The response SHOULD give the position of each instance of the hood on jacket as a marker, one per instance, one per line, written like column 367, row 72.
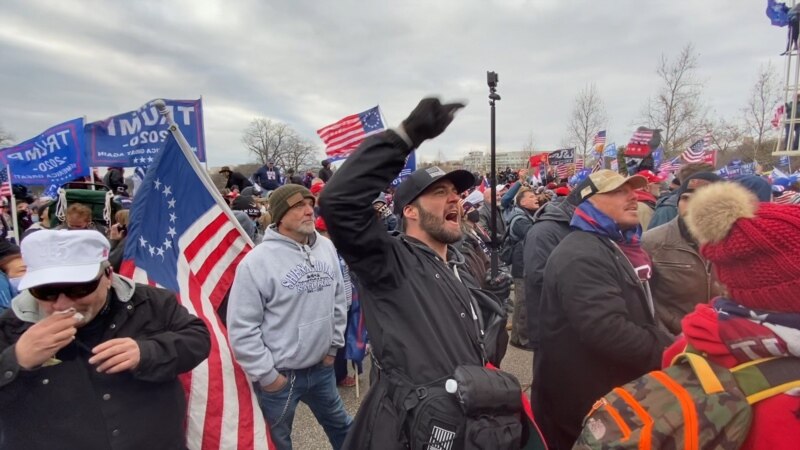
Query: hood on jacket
column 453, row 255
column 27, row 310
column 557, row 212
column 669, row 199
column 271, row 234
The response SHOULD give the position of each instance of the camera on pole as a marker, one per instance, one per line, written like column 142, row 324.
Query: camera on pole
column 491, row 80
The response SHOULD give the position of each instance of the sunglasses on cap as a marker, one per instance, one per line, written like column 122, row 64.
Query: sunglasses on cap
column 51, row 292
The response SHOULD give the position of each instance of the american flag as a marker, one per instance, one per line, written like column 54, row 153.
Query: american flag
column 565, row 170
column 181, row 238
column 670, row 165
column 343, row 137
column 598, row 164
column 600, row 138
column 578, row 164
column 5, row 186
column 642, row 136
column 787, row 198
column 695, row 153
column 615, row 165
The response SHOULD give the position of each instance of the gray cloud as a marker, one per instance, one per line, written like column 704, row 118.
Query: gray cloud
column 311, row 63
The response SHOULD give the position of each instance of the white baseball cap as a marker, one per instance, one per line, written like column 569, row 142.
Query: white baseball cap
column 63, row 256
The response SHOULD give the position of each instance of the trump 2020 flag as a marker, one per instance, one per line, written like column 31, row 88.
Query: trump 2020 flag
column 343, row 137
column 182, row 238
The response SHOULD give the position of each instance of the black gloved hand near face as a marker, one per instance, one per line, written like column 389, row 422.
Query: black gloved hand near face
column 429, row 119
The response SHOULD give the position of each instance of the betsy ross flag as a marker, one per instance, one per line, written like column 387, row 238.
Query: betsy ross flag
column 342, row 138
column 778, row 117
column 183, row 238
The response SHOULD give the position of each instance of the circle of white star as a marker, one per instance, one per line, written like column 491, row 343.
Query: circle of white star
column 169, row 198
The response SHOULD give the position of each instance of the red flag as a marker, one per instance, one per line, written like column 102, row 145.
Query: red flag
column 637, row 150
column 536, row 160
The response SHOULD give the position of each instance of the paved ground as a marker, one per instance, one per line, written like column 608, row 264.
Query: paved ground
column 308, row 435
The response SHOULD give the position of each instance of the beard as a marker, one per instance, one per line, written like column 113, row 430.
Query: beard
column 434, row 226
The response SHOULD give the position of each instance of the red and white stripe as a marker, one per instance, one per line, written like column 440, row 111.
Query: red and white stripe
column 5, row 189
column 223, row 412
column 642, row 136
column 344, row 136
column 787, row 198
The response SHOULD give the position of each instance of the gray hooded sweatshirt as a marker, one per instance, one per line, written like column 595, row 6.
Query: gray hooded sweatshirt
column 287, row 306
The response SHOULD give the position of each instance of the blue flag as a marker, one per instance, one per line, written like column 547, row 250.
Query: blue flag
column 610, row 151
column 53, row 157
column 658, row 156
column 778, row 13
column 411, row 166
column 134, row 138
column 784, row 161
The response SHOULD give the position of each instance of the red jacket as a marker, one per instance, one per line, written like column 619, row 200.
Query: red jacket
column 776, row 420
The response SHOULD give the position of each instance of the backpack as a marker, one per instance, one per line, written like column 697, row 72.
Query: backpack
column 509, row 241
column 693, row 404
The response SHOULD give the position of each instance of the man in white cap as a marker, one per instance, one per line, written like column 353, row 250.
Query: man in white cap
column 88, row 358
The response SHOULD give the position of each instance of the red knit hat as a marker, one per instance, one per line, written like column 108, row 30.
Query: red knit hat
column 753, row 246
column 317, row 188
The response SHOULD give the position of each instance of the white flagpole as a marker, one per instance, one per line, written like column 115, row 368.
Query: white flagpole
column 14, row 224
column 195, row 163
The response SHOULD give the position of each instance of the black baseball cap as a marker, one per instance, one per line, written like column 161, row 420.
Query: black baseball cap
column 420, row 180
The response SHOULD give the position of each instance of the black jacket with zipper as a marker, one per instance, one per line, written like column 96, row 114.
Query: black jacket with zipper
column 69, row 405
column 598, row 331
column 418, row 310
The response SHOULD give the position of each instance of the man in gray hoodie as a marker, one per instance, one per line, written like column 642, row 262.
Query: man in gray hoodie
column 286, row 319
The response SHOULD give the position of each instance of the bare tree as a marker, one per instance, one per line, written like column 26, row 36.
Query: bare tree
column 725, row 134
column 588, row 117
column 269, row 140
column 677, row 109
column 758, row 113
column 530, row 145
column 6, row 138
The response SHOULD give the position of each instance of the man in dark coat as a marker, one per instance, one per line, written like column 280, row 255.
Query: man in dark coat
column 235, row 179
column 325, row 173
column 417, row 296
column 90, row 359
column 598, row 326
column 550, row 227
column 268, row 177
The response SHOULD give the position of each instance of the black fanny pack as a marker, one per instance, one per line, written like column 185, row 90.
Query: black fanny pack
column 482, row 413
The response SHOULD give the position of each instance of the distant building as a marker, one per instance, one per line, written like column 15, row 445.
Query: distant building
column 478, row 161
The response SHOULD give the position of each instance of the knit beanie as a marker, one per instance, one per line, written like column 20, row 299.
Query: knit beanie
column 8, row 251
column 285, row 197
column 697, row 181
column 752, row 245
column 756, row 185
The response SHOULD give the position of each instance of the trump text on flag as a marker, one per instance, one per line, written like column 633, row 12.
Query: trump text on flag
column 134, row 138
column 53, row 157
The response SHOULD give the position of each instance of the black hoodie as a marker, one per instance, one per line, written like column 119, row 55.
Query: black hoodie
column 550, row 226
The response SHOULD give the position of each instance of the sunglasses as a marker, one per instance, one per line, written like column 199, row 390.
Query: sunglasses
column 51, row 292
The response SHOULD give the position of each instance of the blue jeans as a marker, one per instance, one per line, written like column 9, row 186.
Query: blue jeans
column 316, row 387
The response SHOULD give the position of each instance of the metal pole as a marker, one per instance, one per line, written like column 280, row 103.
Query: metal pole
column 14, row 223
column 492, row 80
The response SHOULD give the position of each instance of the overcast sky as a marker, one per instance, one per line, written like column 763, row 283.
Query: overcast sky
column 310, row 63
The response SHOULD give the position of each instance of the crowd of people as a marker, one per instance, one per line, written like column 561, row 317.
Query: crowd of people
column 634, row 293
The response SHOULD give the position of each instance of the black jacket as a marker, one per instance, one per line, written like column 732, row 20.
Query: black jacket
column 517, row 228
column 598, row 332
column 325, row 174
column 551, row 225
column 70, row 405
column 417, row 311
column 238, row 180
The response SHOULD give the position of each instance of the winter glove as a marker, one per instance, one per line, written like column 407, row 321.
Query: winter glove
column 429, row 119
column 500, row 285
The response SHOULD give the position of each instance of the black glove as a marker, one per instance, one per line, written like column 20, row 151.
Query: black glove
column 500, row 285
column 429, row 119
